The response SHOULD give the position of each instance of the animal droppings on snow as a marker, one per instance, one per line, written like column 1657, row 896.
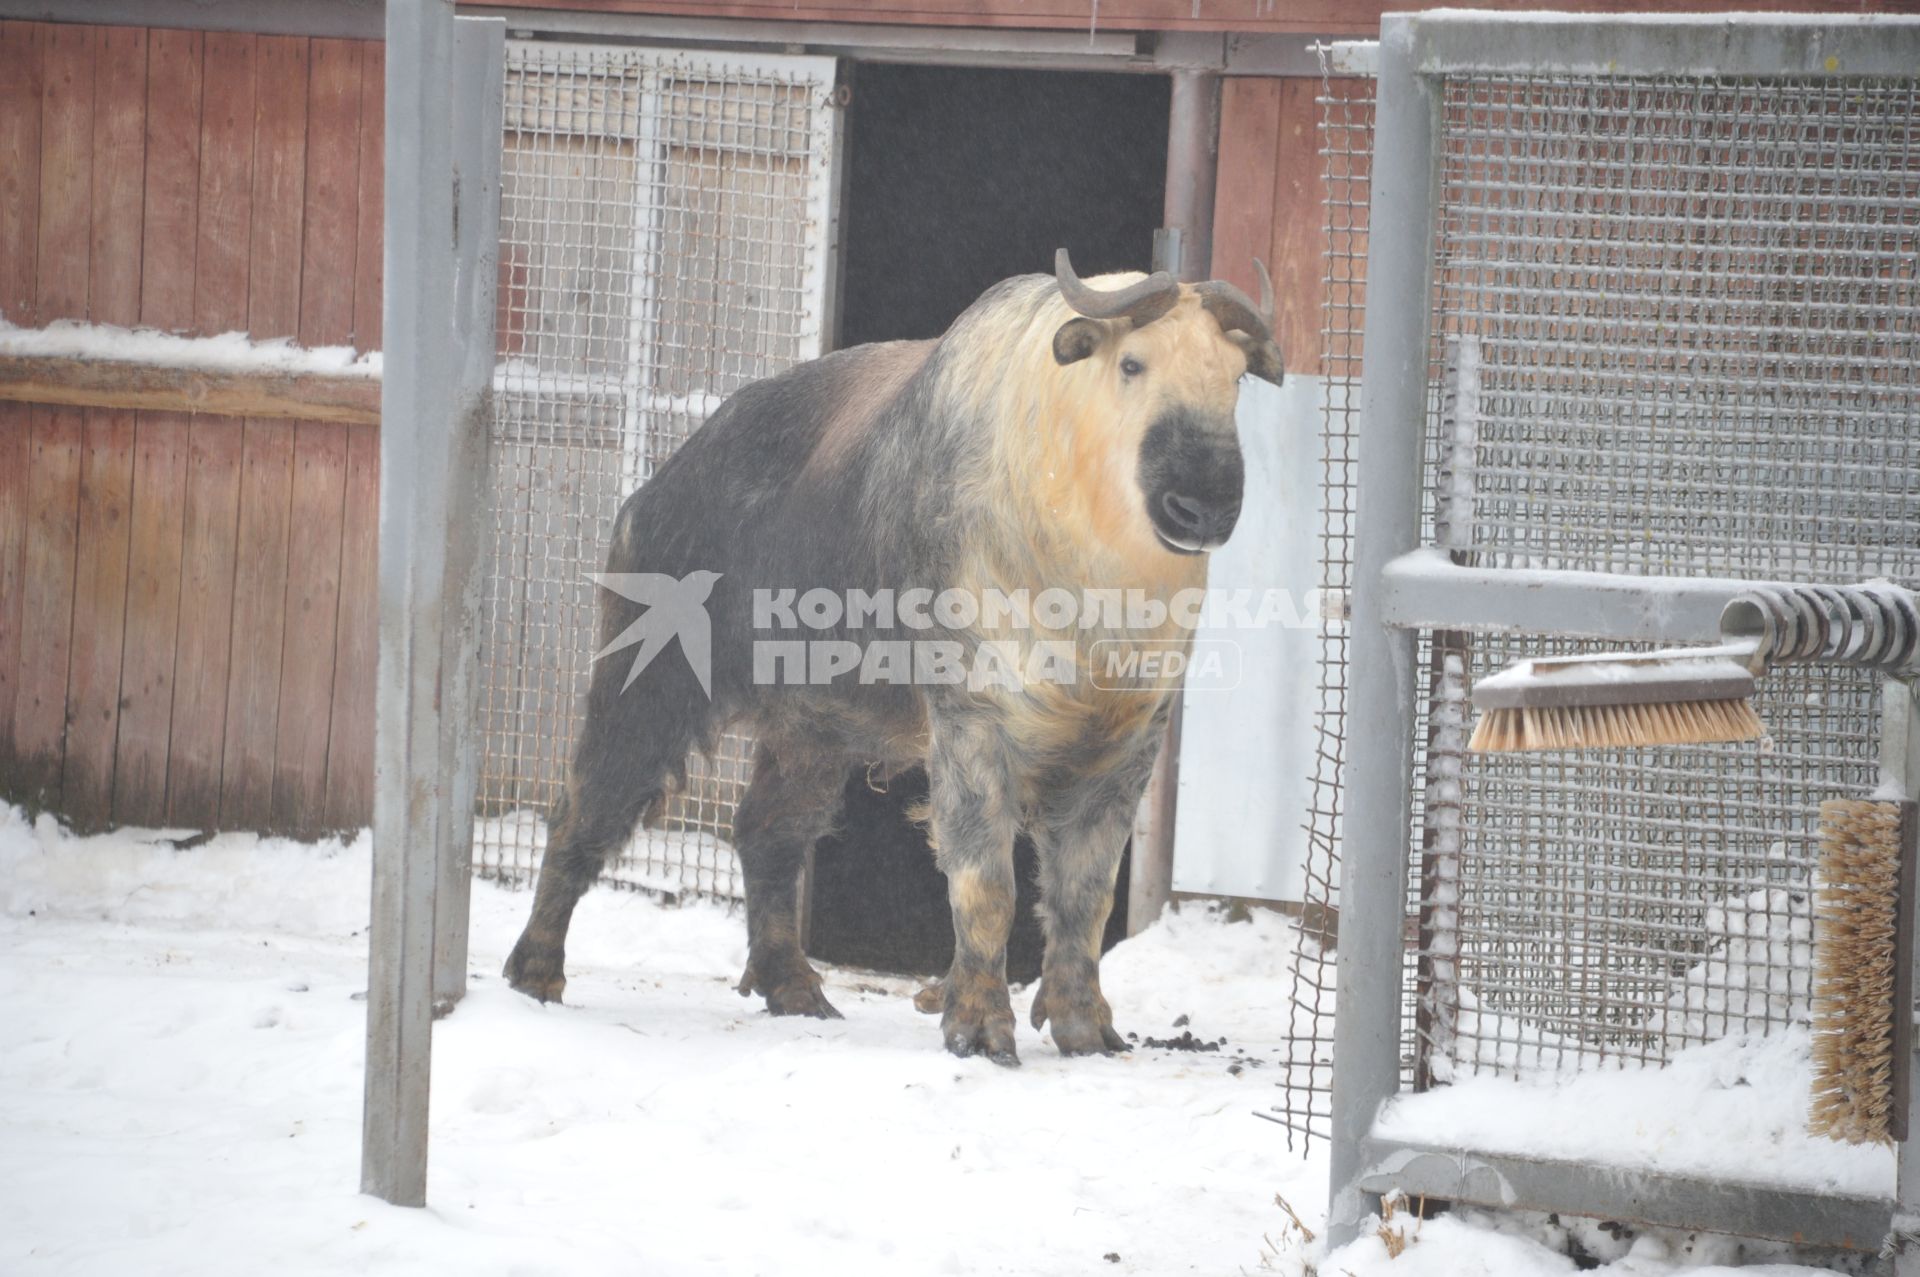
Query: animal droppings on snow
column 1185, row 1042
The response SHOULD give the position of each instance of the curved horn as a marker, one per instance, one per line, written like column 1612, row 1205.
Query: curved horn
column 1235, row 310
column 1143, row 302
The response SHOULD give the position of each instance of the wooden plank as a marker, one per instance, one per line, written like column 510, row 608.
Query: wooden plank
column 210, row 526
column 169, row 232
column 15, row 451
column 1243, row 191
column 66, row 173
column 153, row 614
column 279, row 186
column 119, row 174
column 320, row 448
column 1299, row 237
column 124, row 384
column 357, row 644
column 367, row 261
column 349, row 802
column 21, row 86
column 266, row 478
column 169, row 236
column 99, row 615
column 223, row 243
column 196, row 736
column 332, row 212
column 53, row 498
column 312, row 614
column 259, row 626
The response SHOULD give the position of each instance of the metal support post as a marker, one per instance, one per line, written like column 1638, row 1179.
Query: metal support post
column 1379, row 765
column 1193, row 158
column 433, row 418
column 1900, row 775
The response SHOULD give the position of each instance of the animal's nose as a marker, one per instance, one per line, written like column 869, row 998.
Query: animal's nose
column 1199, row 520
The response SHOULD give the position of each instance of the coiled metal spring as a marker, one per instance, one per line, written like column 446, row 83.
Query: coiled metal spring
column 1874, row 626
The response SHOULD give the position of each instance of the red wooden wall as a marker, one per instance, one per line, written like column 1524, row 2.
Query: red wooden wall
column 187, row 606
column 1268, row 204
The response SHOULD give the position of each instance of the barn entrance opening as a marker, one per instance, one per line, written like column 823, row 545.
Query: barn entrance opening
column 957, row 178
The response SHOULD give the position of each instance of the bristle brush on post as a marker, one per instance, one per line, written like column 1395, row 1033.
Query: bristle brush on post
column 1687, row 696
column 1862, row 978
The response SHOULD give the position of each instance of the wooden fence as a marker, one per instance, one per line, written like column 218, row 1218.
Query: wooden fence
column 187, row 601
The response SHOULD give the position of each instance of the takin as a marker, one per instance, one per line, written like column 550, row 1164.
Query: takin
column 1061, row 436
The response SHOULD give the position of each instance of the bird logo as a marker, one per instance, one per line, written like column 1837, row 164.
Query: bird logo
column 676, row 609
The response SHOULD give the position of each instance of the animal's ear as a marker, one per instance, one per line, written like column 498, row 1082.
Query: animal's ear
column 1263, row 357
column 1076, row 339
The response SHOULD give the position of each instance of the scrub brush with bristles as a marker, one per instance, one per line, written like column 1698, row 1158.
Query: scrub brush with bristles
column 1862, row 977
column 1685, row 696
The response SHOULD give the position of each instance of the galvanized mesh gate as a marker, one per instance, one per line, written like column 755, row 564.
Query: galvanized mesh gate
column 666, row 226
column 1644, row 327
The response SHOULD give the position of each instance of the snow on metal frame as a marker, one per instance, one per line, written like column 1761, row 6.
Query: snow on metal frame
column 665, row 240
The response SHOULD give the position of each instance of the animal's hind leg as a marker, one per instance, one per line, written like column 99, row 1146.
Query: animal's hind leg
column 618, row 770
column 795, row 798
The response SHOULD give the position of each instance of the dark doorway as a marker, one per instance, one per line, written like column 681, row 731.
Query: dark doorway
column 957, row 179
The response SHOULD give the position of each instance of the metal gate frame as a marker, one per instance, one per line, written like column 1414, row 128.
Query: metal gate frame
column 1403, row 586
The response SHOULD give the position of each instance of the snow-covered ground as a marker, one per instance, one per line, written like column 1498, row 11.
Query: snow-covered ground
column 180, row 1093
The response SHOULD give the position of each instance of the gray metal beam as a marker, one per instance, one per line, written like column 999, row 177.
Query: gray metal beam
column 479, row 87
column 1380, row 710
column 1900, row 775
column 432, row 405
column 350, row 19
column 1193, row 163
column 956, row 45
column 1626, row 1194
column 1425, row 590
column 1354, row 57
column 1670, row 44
column 1251, row 54
column 418, row 418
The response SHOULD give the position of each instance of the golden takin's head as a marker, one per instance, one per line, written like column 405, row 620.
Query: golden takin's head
column 1162, row 363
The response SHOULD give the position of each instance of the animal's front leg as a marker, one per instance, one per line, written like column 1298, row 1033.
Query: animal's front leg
column 1080, row 835
column 974, row 822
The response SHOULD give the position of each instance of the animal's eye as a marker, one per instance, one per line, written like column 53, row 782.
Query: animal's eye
column 1132, row 367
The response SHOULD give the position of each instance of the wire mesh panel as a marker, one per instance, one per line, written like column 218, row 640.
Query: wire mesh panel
column 1615, row 907
column 1693, row 324
column 664, row 242
column 1346, row 145
column 1695, row 308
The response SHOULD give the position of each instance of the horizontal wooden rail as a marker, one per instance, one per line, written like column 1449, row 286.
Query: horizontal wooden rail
column 97, row 383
